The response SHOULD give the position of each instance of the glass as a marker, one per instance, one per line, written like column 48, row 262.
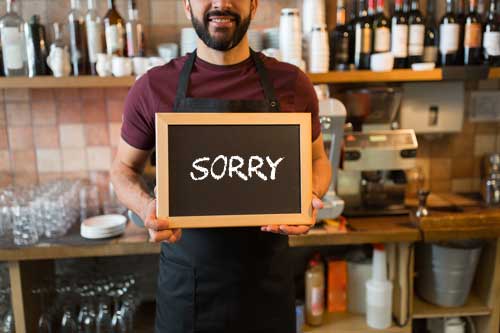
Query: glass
column 94, row 35
column 68, row 323
column 14, row 54
column 78, row 40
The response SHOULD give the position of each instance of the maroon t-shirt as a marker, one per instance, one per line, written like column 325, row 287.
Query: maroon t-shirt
column 155, row 92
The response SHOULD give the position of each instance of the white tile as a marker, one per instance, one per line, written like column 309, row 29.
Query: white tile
column 484, row 144
column 74, row 159
column 4, row 160
column 72, row 136
column 115, row 133
column 99, row 158
column 48, row 160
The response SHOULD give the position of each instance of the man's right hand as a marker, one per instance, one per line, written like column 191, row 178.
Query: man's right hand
column 159, row 230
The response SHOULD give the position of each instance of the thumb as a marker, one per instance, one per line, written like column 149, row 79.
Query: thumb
column 317, row 203
column 156, row 191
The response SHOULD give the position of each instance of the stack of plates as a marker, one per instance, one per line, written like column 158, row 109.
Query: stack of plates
column 188, row 40
column 103, row 226
column 256, row 40
column 271, row 38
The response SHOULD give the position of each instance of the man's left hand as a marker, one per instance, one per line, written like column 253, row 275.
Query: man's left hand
column 284, row 229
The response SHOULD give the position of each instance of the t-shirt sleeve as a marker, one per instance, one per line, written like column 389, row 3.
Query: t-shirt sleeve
column 307, row 100
column 138, row 128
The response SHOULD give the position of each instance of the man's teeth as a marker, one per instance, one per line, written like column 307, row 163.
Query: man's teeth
column 217, row 20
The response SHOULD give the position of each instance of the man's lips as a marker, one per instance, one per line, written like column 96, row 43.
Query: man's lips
column 221, row 21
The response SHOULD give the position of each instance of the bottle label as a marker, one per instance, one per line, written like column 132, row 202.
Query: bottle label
column 382, row 40
column 416, row 42
column 94, row 31
column 430, row 54
column 114, row 38
column 399, row 44
column 363, row 40
column 12, row 43
column 472, row 35
column 317, row 301
column 492, row 43
column 342, row 49
column 449, row 36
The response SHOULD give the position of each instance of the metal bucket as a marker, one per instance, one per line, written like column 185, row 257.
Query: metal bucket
column 446, row 271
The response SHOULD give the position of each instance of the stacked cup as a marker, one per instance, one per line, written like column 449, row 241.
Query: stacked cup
column 188, row 40
column 272, row 38
column 319, row 50
column 290, row 35
column 313, row 13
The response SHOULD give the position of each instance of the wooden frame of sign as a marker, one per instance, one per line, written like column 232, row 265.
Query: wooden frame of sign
column 164, row 120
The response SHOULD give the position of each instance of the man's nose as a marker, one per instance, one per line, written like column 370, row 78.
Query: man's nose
column 222, row 4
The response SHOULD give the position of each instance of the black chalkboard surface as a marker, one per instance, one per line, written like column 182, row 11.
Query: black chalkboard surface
column 226, row 169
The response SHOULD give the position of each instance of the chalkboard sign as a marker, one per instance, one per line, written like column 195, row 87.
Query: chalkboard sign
column 233, row 169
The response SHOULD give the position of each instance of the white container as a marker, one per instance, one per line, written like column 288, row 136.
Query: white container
column 379, row 293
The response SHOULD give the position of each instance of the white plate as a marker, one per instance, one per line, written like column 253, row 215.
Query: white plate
column 423, row 66
column 100, row 236
column 104, row 221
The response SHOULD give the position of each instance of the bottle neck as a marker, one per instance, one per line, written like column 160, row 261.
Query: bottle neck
column 341, row 16
column 75, row 4
column 398, row 5
column 91, row 4
column 57, row 31
column 449, row 6
column 473, row 6
column 362, row 9
column 371, row 7
column 111, row 4
column 415, row 5
column 430, row 8
column 493, row 7
column 133, row 14
column 460, row 6
column 11, row 6
column 380, row 6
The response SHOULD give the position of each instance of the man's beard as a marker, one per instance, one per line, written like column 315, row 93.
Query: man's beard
column 220, row 44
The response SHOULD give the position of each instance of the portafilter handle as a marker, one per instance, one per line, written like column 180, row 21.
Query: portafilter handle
column 422, row 203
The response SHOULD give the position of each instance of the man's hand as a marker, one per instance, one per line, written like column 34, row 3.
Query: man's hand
column 159, row 230
column 296, row 229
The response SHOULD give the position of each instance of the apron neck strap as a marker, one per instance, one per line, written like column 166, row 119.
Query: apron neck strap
column 259, row 65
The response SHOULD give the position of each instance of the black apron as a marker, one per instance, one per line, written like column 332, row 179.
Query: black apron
column 225, row 279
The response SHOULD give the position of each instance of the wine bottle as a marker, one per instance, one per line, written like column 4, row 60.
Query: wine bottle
column 94, row 35
column 351, row 29
column 36, row 46
column 460, row 15
column 449, row 38
column 135, row 32
column 15, row 62
column 78, row 40
column 491, row 38
column 339, row 41
column 399, row 31
column 431, row 40
column 416, row 34
column 363, row 47
column 381, row 30
column 114, row 29
column 473, row 36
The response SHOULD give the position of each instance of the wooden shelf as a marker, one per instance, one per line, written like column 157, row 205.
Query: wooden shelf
column 350, row 323
column 474, row 307
column 355, row 76
column 362, row 76
column 66, row 82
column 362, row 230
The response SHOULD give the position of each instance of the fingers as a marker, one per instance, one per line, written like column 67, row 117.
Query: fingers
column 156, row 224
column 286, row 229
column 317, row 203
column 169, row 236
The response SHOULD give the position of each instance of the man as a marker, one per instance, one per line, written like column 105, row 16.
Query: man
column 222, row 279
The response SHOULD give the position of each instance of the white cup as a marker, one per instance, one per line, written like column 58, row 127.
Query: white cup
column 58, row 61
column 140, row 65
column 121, row 66
column 168, row 51
column 381, row 62
column 103, row 65
column 156, row 61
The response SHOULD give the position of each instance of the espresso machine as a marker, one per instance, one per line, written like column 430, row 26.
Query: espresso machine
column 332, row 115
column 376, row 154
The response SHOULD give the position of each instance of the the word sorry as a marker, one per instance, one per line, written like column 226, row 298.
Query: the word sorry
column 233, row 166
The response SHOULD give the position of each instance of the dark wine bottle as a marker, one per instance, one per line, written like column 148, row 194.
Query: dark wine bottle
column 416, row 34
column 473, row 36
column 339, row 41
column 381, row 30
column 399, row 31
column 491, row 37
column 351, row 29
column 363, row 47
column 78, row 40
column 431, row 40
column 114, row 26
column 449, row 31
column 460, row 15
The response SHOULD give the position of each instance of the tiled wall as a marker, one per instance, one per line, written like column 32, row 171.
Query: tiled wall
column 47, row 134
